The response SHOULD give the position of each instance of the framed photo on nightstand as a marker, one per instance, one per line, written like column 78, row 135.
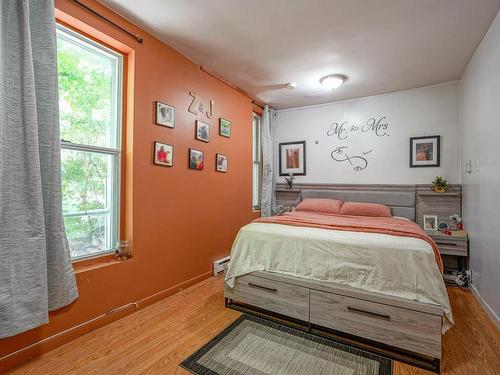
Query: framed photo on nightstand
column 430, row 222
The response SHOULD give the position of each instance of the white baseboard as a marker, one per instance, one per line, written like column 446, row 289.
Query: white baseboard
column 493, row 316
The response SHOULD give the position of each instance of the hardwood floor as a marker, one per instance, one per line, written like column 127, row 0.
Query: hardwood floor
column 155, row 340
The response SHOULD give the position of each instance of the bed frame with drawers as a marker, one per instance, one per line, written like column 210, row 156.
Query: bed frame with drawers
column 405, row 330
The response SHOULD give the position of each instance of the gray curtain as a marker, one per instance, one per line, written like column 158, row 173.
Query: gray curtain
column 268, row 157
column 36, row 275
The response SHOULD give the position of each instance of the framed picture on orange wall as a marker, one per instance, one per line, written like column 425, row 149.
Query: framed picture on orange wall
column 202, row 132
column 163, row 154
column 224, row 127
column 164, row 115
column 196, row 159
column 221, row 163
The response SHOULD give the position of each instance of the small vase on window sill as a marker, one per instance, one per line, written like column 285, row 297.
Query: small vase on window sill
column 122, row 250
column 289, row 180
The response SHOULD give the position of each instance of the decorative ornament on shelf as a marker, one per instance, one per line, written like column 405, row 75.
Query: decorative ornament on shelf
column 289, row 180
column 281, row 210
column 440, row 185
column 456, row 222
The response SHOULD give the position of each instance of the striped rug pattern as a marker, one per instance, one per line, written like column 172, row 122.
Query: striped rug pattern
column 254, row 346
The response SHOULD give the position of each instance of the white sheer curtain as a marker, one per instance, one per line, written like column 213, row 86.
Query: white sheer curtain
column 268, row 157
column 36, row 275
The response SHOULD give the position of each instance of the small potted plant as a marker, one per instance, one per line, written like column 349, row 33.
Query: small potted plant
column 289, row 180
column 440, row 185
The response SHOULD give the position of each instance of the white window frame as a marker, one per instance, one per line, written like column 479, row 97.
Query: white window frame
column 113, row 189
column 256, row 160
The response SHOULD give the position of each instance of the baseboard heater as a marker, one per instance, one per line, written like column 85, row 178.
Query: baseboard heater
column 220, row 265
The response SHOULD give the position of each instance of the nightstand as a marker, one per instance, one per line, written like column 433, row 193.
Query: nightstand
column 454, row 251
column 287, row 197
column 450, row 245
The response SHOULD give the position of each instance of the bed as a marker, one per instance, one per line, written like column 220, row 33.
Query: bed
column 379, row 290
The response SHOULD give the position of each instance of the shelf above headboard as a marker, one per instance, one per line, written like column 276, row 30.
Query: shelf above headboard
column 443, row 205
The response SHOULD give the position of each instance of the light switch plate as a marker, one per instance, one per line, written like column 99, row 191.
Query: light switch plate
column 468, row 166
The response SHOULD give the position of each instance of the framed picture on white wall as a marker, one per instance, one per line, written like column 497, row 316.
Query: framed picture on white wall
column 425, row 151
column 292, row 158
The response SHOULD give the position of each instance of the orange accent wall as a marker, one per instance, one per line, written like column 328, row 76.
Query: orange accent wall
column 178, row 220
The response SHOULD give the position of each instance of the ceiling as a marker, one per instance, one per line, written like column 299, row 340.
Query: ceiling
column 260, row 45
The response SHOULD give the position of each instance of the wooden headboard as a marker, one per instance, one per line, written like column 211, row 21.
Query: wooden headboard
column 410, row 201
column 400, row 198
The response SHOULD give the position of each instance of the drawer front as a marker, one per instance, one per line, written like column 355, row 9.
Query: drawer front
column 406, row 329
column 452, row 248
column 285, row 299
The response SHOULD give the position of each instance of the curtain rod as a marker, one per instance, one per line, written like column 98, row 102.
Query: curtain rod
column 261, row 106
column 138, row 38
column 254, row 101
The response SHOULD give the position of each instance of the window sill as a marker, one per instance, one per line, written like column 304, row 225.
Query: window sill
column 85, row 265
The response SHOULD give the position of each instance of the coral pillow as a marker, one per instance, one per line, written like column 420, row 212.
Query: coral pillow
column 329, row 206
column 365, row 209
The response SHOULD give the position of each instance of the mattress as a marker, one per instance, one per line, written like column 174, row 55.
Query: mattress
column 392, row 265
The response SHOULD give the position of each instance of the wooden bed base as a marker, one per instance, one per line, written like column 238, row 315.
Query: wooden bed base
column 401, row 329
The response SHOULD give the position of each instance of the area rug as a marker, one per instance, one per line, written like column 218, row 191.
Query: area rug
column 255, row 346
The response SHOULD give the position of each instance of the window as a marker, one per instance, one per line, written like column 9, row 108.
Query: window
column 90, row 97
column 257, row 160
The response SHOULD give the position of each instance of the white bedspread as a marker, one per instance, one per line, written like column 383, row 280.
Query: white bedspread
column 393, row 265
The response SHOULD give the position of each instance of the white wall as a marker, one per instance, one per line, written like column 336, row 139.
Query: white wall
column 418, row 112
column 480, row 118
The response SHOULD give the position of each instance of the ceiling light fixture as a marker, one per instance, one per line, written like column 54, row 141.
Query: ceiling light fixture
column 291, row 85
column 332, row 81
